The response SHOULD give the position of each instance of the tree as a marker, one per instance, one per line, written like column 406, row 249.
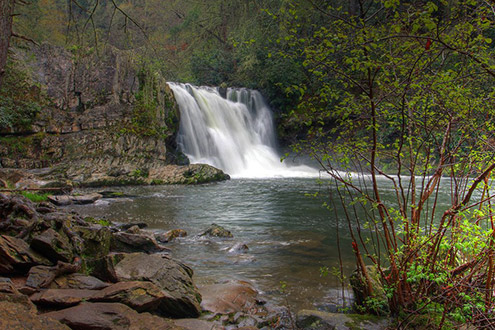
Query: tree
column 401, row 91
column 6, row 11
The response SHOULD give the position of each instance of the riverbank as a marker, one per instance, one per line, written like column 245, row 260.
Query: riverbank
column 60, row 266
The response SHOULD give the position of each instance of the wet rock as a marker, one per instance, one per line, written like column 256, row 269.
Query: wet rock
column 170, row 235
column 175, row 279
column 52, row 245
column 126, row 226
column 135, row 242
column 60, row 298
column 63, row 200
column 318, row 320
column 133, row 230
column 77, row 281
column 140, row 296
column 231, row 297
column 16, row 256
column 109, row 316
column 217, row 231
column 238, row 248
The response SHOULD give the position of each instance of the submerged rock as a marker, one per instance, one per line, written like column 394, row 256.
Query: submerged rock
column 231, row 297
column 170, row 235
column 217, row 231
column 238, row 248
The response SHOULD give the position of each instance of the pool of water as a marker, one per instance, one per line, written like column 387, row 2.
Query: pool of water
column 291, row 235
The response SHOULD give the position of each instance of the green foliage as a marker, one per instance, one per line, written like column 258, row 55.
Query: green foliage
column 402, row 91
column 20, row 99
column 34, row 196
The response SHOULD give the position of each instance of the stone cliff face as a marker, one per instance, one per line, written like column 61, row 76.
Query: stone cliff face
column 109, row 119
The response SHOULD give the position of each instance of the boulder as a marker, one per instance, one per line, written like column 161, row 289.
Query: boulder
column 77, row 281
column 175, row 279
column 230, row 297
column 40, row 276
column 109, row 316
column 17, row 257
column 360, row 289
column 63, row 200
column 53, row 245
column 104, row 267
column 60, row 298
column 97, row 240
column 140, row 296
column 217, row 231
column 135, row 242
column 170, row 235
column 126, row 226
column 318, row 320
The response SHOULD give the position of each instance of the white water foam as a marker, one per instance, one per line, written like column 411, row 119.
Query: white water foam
column 235, row 134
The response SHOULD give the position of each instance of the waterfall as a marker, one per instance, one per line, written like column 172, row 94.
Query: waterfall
column 235, row 134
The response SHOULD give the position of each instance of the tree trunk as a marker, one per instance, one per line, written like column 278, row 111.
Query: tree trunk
column 6, row 11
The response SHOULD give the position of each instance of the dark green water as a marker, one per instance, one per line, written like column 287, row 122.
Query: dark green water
column 290, row 235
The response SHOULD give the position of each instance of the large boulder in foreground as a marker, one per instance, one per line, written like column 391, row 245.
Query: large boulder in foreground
column 175, row 279
column 230, row 297
column 109, row 316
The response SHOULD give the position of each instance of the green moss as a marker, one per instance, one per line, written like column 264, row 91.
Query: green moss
column 35, row 197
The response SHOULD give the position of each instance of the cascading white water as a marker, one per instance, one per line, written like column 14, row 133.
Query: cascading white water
column 234, row 134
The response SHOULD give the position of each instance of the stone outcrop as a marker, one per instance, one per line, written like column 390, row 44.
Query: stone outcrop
column 110, row 121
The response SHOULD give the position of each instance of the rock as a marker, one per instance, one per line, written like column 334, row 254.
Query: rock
column 217, row 231
column 195, row 324
column 18, row 316
column 140, row 296
column 170, row 235
column 104, row 267
column 316, row 320
column 182, row 297
column 109, row 316
column 129, row 242
column 52, row 245
column 238, row 248
column 126, row 226
column 97, row 241
column 231, row 297
column 17, row 257
column 60, row 298
column 63, row 200
column 133, row 230
column 40, row 276
column 77, row 281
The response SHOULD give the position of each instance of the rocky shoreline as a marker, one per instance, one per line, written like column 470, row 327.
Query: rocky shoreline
column 60, row 270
